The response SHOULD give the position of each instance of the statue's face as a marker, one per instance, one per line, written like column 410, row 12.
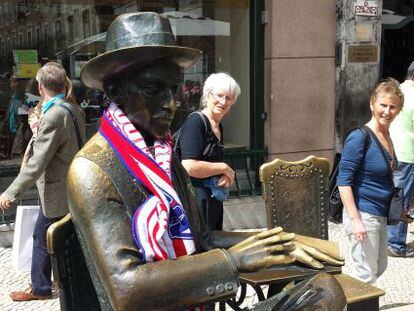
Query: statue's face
column 150, row 97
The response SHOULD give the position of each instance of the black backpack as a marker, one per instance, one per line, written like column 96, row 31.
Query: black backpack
column 207, row 132
column 335, row 206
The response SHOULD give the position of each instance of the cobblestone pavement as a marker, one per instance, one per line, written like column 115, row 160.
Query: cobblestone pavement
column 397, row 281
column 10, row 281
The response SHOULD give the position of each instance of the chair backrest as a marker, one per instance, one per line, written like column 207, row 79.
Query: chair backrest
column 76, row 289
column 296, row 195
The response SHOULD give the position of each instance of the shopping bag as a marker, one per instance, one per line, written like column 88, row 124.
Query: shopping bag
column 26, row 217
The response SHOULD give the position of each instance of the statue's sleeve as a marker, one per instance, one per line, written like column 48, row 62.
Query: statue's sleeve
column 105, row 229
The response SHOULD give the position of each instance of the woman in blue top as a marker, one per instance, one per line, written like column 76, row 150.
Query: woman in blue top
column 364, row 184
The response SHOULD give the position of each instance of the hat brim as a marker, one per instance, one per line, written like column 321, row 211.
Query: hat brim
column 114, row 62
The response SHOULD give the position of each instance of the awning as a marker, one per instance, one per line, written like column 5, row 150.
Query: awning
column 392, row 21
column 91, row 45
column 181, row 25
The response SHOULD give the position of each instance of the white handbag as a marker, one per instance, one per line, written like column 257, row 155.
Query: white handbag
column 26, row 217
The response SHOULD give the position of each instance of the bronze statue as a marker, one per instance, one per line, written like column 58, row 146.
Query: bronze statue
column 125, row 187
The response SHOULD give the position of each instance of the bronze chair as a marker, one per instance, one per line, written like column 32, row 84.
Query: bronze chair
column 76, row 289
column 296, row 195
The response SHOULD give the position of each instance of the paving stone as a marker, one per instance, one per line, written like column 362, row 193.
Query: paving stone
column 397, row 281
column 11, row 281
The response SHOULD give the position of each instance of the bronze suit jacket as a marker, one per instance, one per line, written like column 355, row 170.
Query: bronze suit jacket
column 103, row 223
column 53, row 150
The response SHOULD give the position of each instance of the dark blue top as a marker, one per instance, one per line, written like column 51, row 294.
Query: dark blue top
column 193, row 142
column 368, row 176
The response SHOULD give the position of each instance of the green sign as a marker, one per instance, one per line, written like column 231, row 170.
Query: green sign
column 25, row 56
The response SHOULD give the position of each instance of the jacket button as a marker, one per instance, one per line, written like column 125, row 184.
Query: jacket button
column 229, row 286
column 210, row 291
column 220, row 288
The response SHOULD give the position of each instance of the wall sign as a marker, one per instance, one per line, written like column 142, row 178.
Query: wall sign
column 362, row 53
column 366, row 7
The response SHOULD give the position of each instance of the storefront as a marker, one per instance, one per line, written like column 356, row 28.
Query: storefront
column 229, row 32
column 73, row 31
column 282, row 54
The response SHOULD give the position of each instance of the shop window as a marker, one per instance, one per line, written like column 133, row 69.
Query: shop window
column 45, row 32
column 38, row 36
column 70, row 28
column 29, row 38
column 20, row 40
column 58, row 30
column 77, row 23
column 220, row 28
column 14, row 42
column 86, row 24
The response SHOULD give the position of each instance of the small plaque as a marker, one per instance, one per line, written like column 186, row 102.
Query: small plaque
column 363, row 53
column 366, row 7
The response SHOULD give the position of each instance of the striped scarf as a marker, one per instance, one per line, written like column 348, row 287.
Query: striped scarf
column 160, row 226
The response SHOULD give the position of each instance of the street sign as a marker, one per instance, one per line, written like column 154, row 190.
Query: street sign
column 366, row 7
column 26, row 71
column 25, row 56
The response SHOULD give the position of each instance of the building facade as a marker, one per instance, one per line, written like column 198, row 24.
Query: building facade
column 300, row 90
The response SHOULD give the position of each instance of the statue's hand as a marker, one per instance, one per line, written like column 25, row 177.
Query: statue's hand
column 313, row 257
column 263, row 250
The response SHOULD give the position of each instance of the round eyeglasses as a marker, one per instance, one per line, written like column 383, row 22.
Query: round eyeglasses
column 222, row 98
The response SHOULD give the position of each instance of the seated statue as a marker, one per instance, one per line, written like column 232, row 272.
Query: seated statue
column 132, row 202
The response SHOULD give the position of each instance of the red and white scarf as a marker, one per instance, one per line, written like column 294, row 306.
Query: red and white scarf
column 160, row 226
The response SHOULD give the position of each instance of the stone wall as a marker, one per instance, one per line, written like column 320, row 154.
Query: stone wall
column 300, row 78
column 358, row 64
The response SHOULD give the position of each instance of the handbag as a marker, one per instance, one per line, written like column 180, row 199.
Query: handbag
column 26, row 217
column 396, row 205
column 219, row 193
column 336, row 206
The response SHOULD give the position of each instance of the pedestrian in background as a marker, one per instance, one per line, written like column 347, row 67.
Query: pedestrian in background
column 16, row 100
column 364, row 183
column 53, row 150
column 402, row 134
column 201, row 147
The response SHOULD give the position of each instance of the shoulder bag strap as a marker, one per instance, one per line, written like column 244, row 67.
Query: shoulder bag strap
column 177, row 134
column 335, row 170
column 203, row 117
column 80, row 142
column 390, row 179
column 367, row 138
column 208, row 132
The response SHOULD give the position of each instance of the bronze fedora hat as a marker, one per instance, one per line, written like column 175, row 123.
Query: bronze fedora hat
column 135, row 40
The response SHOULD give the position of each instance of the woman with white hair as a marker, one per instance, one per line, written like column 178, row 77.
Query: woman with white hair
column 201, row 147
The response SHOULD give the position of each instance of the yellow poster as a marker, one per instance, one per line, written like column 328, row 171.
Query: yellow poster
column 27, row 70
